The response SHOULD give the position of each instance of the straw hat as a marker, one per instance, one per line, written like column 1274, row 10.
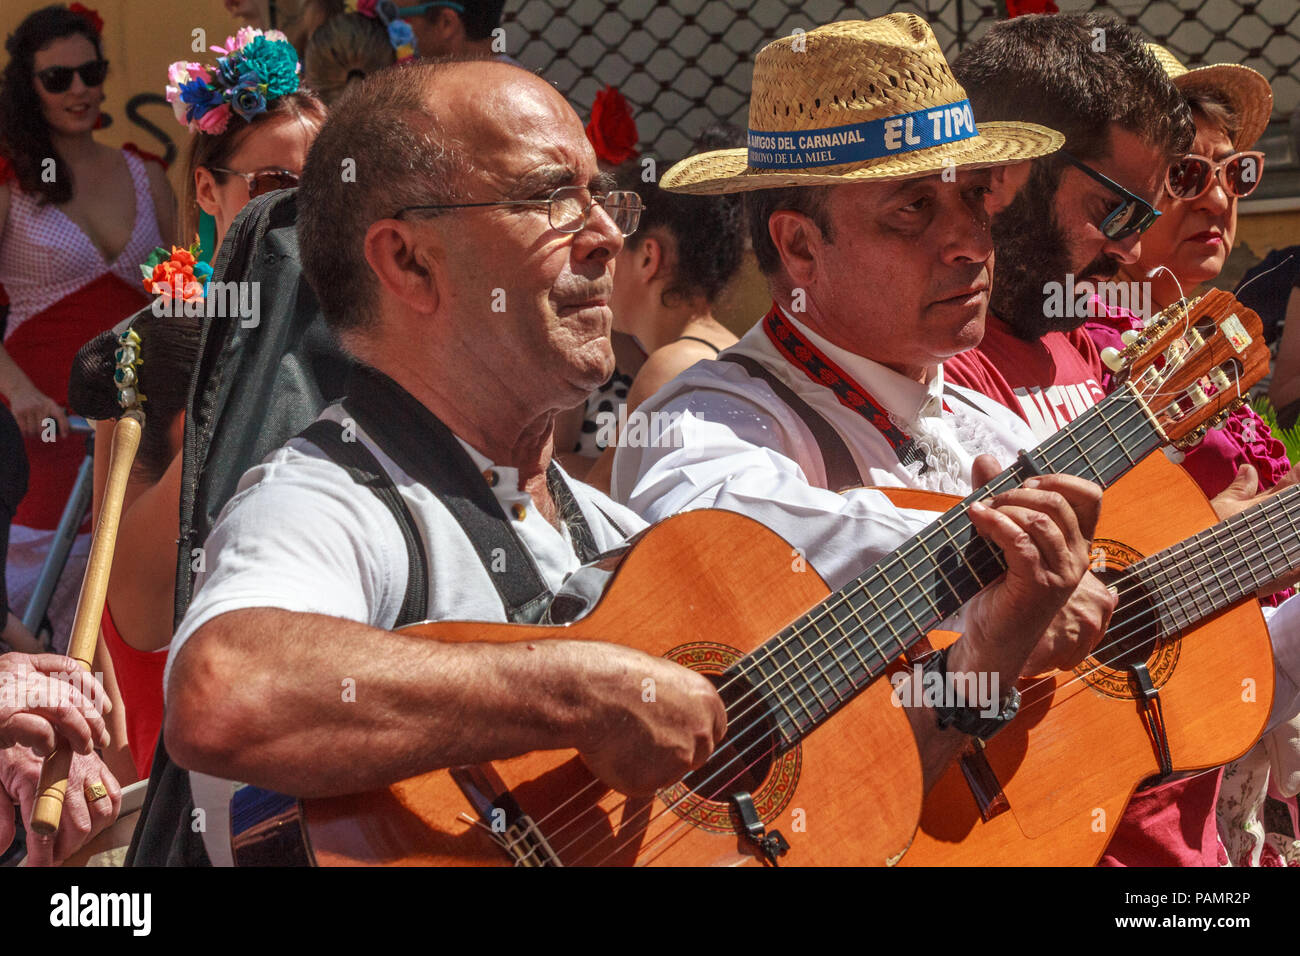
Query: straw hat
column 1246, row 91
column 858, row 100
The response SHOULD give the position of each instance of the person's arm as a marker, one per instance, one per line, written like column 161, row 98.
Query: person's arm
column 659, row 369
column 116, row 754
column 270, row 670
column 29, row 405
column 257, row 695
column 164, row 204
column 141, row 589
column 1285, row 387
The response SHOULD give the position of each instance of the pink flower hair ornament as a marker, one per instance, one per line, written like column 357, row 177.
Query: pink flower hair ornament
column 255, row 68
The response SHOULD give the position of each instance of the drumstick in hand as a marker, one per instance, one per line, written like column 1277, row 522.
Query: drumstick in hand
column 90, row 607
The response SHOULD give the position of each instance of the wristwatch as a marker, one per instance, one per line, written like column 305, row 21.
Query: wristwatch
column 963, row 717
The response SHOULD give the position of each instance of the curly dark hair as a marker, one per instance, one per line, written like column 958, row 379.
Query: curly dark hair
column 24, row 137
column 708, row 232
column 1078, row 74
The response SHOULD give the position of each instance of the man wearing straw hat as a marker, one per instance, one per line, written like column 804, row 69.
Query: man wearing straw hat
column 307, row 571
column 865, row 181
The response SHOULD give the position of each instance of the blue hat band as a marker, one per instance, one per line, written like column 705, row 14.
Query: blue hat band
column 858, row 142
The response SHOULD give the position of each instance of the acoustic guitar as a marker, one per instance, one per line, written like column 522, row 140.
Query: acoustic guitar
column 819, row 766
column 1182, row 680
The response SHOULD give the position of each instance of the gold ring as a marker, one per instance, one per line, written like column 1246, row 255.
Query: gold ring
column 96, row 791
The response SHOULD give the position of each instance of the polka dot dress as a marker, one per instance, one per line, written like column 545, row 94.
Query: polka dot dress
column 45, row 256
column 601, row 404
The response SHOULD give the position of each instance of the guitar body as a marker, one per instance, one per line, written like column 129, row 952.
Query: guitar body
column 702, row 588
column 1070, row 761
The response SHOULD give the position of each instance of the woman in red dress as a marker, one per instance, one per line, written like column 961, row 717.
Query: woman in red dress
column 76, row 219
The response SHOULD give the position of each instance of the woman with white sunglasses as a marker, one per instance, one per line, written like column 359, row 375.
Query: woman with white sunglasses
column 1185, row 248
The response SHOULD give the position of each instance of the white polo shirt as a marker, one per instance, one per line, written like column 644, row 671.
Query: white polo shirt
column 301, row 535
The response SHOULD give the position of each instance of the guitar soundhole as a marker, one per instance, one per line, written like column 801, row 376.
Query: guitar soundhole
column 744, row 758
column 1134, row 635
column 1134, row 639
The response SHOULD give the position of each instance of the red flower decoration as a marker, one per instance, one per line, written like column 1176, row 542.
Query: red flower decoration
column 612, row 130
column 1017, row 8
column 90, row 16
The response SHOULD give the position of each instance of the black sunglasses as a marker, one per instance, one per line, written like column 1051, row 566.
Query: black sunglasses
column 57, row 79
column 1133, row 215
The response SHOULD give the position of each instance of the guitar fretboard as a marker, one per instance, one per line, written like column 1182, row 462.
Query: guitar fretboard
column 822, row 660
column 1220, row 566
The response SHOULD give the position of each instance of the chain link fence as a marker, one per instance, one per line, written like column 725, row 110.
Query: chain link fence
column 686, row 63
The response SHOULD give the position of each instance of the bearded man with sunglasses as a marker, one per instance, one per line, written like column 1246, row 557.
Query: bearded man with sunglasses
column 1125, row 124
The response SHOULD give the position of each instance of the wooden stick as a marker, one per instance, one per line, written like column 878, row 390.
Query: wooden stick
column 90, row 607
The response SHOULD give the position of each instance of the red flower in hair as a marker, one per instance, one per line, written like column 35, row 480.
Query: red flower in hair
column 90, row 16
column 1016, row 8
column 612, row 130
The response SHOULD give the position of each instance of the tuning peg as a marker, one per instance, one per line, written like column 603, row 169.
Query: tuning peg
column 1191, row 439
column 1174, row 455
column 1112, row 359
column 1129, row 336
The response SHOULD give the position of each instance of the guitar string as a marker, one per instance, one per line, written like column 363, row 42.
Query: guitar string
column 794, row 659
column 839, row 658
column 829, row 681
column 832, row 685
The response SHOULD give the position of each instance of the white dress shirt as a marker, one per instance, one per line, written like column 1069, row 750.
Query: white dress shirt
column 725, row 440
column 733, row 444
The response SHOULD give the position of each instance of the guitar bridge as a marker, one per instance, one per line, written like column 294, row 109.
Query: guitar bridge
column 502, row 817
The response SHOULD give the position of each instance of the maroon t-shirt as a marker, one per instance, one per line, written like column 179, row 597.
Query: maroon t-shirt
column 1048, row 383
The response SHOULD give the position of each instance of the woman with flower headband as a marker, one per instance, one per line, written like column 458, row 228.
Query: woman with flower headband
column 251, row 128
column 76, row 218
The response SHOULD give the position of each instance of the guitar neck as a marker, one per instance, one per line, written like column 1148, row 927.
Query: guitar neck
column 1222, row 565
column 820, row 661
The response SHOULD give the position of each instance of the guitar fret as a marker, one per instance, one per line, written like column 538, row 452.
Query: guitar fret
column 934, row 562
column 776, row 692
column 817, row 661
column 804, row 681
column 880, row 616
column 853, row 645
column 904, row 605
column 1116, row 440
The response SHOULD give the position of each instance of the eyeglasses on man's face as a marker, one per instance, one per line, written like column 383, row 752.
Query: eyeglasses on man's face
column 568, row 208
column 1192, row 176
column 58, row 79
column 262, row 180
column 1132, row 215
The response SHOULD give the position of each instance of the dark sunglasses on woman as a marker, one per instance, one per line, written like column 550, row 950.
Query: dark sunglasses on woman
column 57, row 79
column 264, row 180
column 1191, row 177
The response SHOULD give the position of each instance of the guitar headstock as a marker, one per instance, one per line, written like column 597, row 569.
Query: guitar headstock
column 1193, row 363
